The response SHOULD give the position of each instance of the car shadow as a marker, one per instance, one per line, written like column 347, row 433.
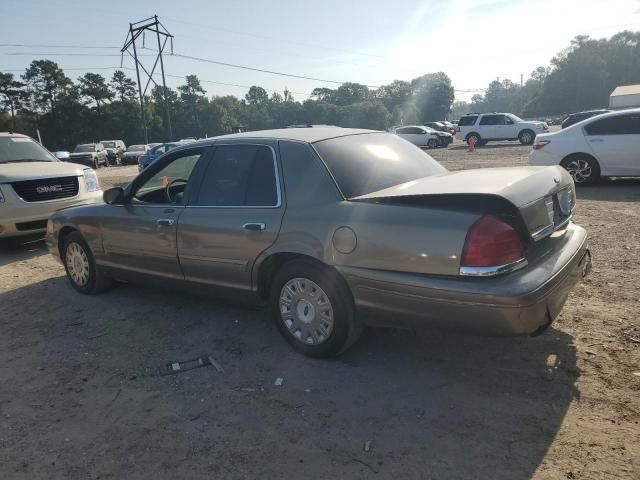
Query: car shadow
column 611, row 190
column 23, row 249
column 399, row 404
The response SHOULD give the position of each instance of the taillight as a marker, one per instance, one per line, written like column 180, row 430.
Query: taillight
column 491, row 243
column 541, row 144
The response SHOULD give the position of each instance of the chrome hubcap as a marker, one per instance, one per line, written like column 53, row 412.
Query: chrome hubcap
column 526, row 138
column 580, row 170
column 306, row 311
column 77, row 264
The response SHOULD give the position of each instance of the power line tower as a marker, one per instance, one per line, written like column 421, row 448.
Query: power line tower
column 153, row 25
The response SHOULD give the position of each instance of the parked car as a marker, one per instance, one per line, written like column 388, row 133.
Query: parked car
column 481, row 128
column 90, row 155
column 578, row 117
column 606, row 145
column 451, row 128
column 34, row 184
column 155, row 144
column 115, row 149
column 154, row 152
column 440, row 127
column 337, row 228
column 424, row 137
column 133, row 154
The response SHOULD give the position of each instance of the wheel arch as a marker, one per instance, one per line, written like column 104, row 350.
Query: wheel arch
column 466, row 138
column 268, row 267
column 64, row 233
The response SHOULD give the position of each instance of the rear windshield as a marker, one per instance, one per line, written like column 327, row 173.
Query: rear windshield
column 84, row 148
column 135, row 148
column 468, row 120
column 23, row 149
column 109, row 144
column 367, row 163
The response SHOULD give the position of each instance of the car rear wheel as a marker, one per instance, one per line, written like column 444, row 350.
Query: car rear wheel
column 313, row 309
column 583, row 169
column 432, row 143
column 526, row 137
column 81, row 267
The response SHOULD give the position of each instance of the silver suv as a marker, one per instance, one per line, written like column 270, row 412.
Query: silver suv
column 34, row 184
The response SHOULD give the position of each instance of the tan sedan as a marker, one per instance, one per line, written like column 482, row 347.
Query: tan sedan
column 337, row 229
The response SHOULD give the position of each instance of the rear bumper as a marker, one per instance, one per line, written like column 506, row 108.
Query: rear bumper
column 522, row 302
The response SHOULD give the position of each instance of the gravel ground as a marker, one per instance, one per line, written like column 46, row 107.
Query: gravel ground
column 82, row 394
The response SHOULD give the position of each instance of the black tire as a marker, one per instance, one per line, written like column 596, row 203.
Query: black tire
column 432, row 143
column 96, row 281
column 346, row 329
column 527, row 137
column 584, row 169
column 478, row 138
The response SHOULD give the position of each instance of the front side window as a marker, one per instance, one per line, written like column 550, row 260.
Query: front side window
column 370, row 162
column 136, row 148
column 617, row 125
column 489, row 120
column 239, row 176
column 166, row 185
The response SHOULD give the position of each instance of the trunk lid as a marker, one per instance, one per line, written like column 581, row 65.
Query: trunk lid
column 544, row 197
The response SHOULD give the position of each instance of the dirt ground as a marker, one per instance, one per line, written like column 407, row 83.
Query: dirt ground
column 81, row 394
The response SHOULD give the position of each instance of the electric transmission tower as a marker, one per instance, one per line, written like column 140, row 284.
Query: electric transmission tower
column 152, row 25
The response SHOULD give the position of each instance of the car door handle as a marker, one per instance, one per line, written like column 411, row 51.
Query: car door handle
column 165, row 222
column 254, row 227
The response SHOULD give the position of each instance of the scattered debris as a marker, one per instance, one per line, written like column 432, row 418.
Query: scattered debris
column 116, row 395
column 552, row 360
column 307, row 390
column 591, row 352
column 278, row 382
column 637, row 374
column 367, row 445
column 355, row 459
column 630, row 337
column 184, row 366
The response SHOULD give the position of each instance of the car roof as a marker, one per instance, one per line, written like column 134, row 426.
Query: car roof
column 11, row 134
column 309, row 135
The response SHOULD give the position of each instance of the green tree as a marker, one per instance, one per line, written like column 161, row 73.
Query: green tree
column 94, row 86
column 45, row 82
column 12, row 95
column 433, row 94
column 256, row 96
column 124, row 87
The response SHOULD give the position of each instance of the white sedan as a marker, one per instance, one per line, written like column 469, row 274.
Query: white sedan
column 607, row 145
column 419, row 135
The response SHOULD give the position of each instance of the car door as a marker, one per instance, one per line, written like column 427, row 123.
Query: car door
column 615, row 141
column 234, row 216
column 140, row 235
column 101, row 153
column 487, row 126
column 504, row 128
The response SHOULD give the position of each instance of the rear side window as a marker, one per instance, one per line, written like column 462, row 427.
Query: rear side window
column 489, row 120
column 410, row 131
column 239, row 176
column 617, row 125
column 467, row 121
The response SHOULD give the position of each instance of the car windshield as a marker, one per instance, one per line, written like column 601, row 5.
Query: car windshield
column 367, row 163
column 515, row 118
column 109, row 144
column 23, row 149
column 136, row 148
column 84, row 148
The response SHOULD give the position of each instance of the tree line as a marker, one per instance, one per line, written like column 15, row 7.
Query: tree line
column 94, row 108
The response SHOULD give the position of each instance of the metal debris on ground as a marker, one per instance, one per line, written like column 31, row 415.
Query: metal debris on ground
column 184, row 366
column 278, row 382
column 367, row 445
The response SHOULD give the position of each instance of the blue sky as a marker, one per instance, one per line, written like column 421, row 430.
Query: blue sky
column 371, row 42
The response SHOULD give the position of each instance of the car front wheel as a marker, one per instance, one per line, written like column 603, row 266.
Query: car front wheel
column 80, row 266
column 313, row 309
column 526, row 137
column 583, row 169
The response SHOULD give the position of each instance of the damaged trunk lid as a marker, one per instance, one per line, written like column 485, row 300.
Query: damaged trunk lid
column 543, row 197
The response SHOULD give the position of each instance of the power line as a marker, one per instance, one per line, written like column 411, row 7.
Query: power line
column 58, row 54
column 261, row 70
column 42, row 45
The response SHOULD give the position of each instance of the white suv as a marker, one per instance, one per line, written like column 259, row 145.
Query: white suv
column 34, row 184
column 483, row 127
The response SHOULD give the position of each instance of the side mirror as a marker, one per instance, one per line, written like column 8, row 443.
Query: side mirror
column 61, row 155
column 113, row 196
